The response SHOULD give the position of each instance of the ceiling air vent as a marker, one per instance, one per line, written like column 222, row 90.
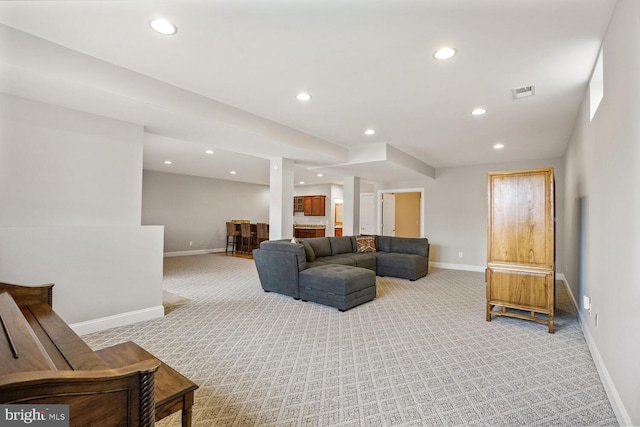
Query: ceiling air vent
column 523, row 92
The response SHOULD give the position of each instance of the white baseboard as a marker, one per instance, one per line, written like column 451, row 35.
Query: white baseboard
column 194, row 252
column 614, row 397
column 449, row 266
column 612, row 392
column 122, row 319
column 572, row 297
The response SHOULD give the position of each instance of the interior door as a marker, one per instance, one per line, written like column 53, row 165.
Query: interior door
column 388, row 214
column 367, row 214
column 408, row 214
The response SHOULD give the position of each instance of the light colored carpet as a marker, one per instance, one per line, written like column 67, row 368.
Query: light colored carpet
column 420, row 354
column 171, row 301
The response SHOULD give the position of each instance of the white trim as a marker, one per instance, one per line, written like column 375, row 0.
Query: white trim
column 612, row 392
column 194, row 252
column 619, row 409
column 560, row 276
column 450, row 266
column 122, row 319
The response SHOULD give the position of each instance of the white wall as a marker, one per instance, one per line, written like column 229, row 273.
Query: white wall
column 603, row 215
column 61, row 167
column 70, row 186
column 195, row 209
column 98, row 271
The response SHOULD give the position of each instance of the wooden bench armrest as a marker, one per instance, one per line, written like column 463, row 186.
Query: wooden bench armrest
column 173, row 391
column 29, row 294
column 92, row 396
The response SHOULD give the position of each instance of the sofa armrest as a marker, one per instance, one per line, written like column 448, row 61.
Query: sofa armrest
column 286, row 246
column 278, row 271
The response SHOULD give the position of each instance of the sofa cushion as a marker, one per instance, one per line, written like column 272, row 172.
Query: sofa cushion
column 383, row 243
column 364, row 260
column 320, row 245
column 344, row 259
column 366, row 243
column 316, row 263
column 407, row 245
column 308, row 250
column 403, row 266
column 337, row 279
column 340, row 245
column 341, row 302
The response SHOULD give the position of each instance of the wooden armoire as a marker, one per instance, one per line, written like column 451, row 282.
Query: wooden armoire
column 520, row 271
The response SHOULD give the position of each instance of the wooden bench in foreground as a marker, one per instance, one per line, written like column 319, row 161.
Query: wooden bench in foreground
column 43, row 361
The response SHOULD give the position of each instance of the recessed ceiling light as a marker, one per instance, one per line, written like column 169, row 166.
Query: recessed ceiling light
column 163, row 26
column 445, row 53
column 167, row 162
column 498, row 146
column 209, row 151
column 303, row 96
column 369, row 132
column 233, row 172
column 478, row 111
column 320, row 174
column 301, row 182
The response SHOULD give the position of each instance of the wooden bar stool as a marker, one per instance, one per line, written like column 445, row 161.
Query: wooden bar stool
column 262, row 232
column 232, row 234
column 246, row 236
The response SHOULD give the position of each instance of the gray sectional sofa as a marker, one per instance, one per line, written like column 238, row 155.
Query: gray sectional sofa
column 338, row 271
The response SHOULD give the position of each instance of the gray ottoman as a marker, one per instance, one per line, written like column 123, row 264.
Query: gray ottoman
column 339, row 286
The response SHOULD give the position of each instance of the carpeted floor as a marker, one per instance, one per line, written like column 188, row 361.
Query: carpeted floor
column 420, row 354
column 171, row 301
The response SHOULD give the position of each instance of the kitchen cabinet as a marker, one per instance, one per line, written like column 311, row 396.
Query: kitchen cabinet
column 317, row 206
column 310, row 205
column 307, row 205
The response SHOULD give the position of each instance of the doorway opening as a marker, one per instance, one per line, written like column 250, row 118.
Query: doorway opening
column 367, row 214
column 401, row 212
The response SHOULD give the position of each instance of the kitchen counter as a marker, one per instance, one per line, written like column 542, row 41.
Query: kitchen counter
column 307, row 231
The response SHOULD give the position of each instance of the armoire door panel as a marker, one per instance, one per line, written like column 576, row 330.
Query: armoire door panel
column 520, row 211
column 520, row 288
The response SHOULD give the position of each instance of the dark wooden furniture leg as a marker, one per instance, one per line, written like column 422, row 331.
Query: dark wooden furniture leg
column 187, row 404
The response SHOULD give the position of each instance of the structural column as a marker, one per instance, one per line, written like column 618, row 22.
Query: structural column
column 281, row 199
column 351, row 206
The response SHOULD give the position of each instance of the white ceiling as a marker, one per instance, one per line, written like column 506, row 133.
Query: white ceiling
column 227, row 80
